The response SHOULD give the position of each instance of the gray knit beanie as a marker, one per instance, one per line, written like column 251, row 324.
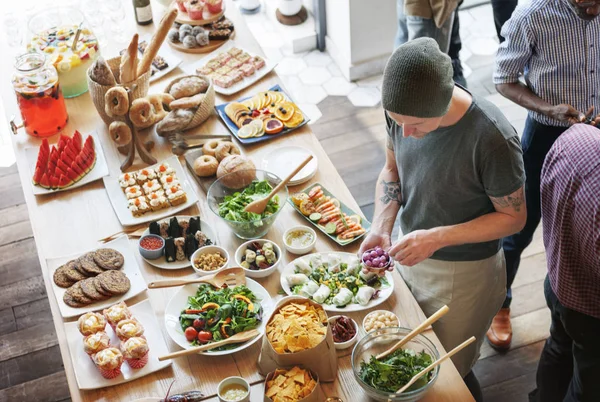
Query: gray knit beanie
column 417, row 80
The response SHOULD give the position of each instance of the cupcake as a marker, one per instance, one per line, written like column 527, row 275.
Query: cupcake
column 94, row 343
column 90, row 323
column 116, row 313
column 128, row 329
column 109, row 362
column 135, row 352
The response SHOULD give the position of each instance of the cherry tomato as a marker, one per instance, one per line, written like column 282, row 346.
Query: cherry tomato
column 255, row 113
column 190, row 333
column 199, row 324
column 204, row 336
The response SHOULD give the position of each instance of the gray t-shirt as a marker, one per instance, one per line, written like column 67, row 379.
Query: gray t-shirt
column 448, row 176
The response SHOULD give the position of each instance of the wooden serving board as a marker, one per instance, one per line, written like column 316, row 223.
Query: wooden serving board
column 212, row 45
column 209, row 18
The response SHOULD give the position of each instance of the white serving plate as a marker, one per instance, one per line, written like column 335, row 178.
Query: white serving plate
column 162, row 262
column 179, row 301
column 384, row 293
column 99, row 170
column 86, row 373
column 119, row 201
column 283, row 160
column 246, row 81
column 166, row 53
column 130, row 268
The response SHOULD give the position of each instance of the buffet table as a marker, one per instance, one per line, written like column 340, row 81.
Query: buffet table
column 72, row 222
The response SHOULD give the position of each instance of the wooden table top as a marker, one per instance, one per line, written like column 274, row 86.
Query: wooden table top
column 73, row 221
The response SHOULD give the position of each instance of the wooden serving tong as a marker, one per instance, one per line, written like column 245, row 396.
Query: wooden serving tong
column 231, row 277
column 237, row 338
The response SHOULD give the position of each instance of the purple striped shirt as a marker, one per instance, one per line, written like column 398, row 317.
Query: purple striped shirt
column 571, row 217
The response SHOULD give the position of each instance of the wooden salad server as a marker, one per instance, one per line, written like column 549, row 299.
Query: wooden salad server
column 231, row 277
column 434, row 364
column 237, row 338
column 259, row 206
column 436, row 316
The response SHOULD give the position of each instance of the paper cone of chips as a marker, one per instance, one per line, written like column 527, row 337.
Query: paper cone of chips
column 295, row 384
column 298, row 334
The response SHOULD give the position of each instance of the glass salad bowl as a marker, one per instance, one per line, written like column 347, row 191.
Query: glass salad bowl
column 228, row 196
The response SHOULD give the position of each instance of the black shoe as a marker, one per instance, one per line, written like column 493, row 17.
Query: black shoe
column 458, row 76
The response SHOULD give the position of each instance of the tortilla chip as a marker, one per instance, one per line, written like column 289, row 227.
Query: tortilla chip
column 297, row 327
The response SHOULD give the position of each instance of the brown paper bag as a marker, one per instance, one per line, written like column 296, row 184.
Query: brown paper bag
column 322, row 359
column 316, row 395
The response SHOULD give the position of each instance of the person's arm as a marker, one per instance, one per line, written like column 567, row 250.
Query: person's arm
column 509, row 217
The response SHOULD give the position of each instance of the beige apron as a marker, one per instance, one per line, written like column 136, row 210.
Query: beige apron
column 473, row 290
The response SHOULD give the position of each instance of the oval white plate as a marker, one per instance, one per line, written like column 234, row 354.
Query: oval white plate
column 384, row 293
column 179, row 301
column 283, row 160
column 162, row 262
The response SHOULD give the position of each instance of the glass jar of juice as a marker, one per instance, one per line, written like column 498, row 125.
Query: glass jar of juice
column 38, row 94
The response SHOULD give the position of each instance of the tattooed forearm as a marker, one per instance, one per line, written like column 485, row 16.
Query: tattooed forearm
column 391, row 192
column 389, row 143
column 515, row 200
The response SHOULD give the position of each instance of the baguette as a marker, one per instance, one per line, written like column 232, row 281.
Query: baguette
column 157, row 41
column 129, row 62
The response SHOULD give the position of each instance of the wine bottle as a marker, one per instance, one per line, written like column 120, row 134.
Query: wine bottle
column 143, row 11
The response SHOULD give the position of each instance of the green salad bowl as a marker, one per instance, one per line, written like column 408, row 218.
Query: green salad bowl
column 228, row 196
column 380, row 340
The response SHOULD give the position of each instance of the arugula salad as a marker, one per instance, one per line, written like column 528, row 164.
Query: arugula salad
column 330, row 279
column 232, row 206
column 212, row 315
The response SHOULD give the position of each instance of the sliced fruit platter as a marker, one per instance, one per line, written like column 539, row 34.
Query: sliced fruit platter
column 329, row 215
column 271, row 112
column 70, row 163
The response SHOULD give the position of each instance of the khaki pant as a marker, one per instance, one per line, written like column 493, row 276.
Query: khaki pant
column 474, row 292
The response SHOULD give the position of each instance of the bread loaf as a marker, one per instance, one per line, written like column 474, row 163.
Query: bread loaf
column 129, row 62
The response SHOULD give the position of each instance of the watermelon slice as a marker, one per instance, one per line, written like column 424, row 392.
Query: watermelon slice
column 54, row 182
column 75, row 167
column 72, row 175
column 70, row 151
column 64, row 182
column 44, row 181
column 77, row 141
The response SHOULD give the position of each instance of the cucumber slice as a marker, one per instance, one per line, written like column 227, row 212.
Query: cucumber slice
column 330, row 228
column 315, row 216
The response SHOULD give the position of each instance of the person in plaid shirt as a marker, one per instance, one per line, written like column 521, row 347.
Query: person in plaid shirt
column 569, row 368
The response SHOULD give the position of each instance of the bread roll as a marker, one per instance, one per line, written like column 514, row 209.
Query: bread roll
column 129, row 62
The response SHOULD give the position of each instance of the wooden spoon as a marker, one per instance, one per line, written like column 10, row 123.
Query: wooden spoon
column 435, row 363
column 231, row 277
column 259, row 206
column 237, row 338
column 436, row 316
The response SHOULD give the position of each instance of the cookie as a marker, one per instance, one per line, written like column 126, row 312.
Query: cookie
column 99, row 288
column 69, row 301
column 78, row 267
column 72, row 272
column 89, row 290
column 89, row 266
column 77, row 294
column 108, row 258
column 61, row 279
column 114, row 282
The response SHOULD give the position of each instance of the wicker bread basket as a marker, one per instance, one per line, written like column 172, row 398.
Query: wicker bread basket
column 206, row 106
column 98, row 91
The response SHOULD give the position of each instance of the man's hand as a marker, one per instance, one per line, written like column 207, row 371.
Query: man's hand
column 415, row 247
column 566, row 113
column 373, row 240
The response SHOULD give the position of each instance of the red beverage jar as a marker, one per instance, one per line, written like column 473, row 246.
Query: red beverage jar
column 39, row 96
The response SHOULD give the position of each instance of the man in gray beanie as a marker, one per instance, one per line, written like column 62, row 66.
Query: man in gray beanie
column 454, row 170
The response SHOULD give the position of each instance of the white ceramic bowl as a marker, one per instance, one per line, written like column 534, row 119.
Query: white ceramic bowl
column 230, row 381
column 347, row 344
column 397, row 324
column 261, row 273
column 210, row 250
column 300, row 250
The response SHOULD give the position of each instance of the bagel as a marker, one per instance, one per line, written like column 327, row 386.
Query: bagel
column 116, row 102
column 120, row 132
column 206, row 165
column 142, row 113
column 226, row 148
column 158, row 102
column 210, row 147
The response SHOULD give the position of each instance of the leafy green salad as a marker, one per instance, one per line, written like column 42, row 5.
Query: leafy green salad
column 232, row 206
column 213, row 315
column 394, row 371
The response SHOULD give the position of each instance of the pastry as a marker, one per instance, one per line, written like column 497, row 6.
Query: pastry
column 188, row 86
column 219, row 34
column 247, row 69
column 223, row 81
column 202, row 38
column 129, row 328
column 210, row 147
column 234, row 51
column 89, row 290
column 205, row 166
column 164, row 169
column 115, row 282
column 176, row 195
column 158, row 102
column 176, row 120
column 158, row 62
column 189, row 42
column 119, row 132
column 187, row 103
column 173, row 35
column 168, row 180
column 257, row 61
column 116, row 313
column 60, row 278
column 127, row 180
column 108, row 258
column 141, row 113
column 94, row 343
column 225, row 23
column 133, row 192
column 214, row 6
column 129, row 62
column 116, row 101
column 194, row 9
column 138, row 206
column 236, row 75
column 109, row 362
column 226, row 148
column 144, row 175
column 151, row 186
column 89, row 265
column 135, row 351
column 156, row 42
column 90, row 323
column 158, row 200
column 101, row 73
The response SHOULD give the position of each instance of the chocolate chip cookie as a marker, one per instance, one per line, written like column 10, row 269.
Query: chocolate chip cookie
column 72, row 273
column 61, row 279
column 76, row 293
column 99, row 288
column 114, row 282
column 69, row 301
column 89, row 266
column 89, row 290
column 108, row 258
